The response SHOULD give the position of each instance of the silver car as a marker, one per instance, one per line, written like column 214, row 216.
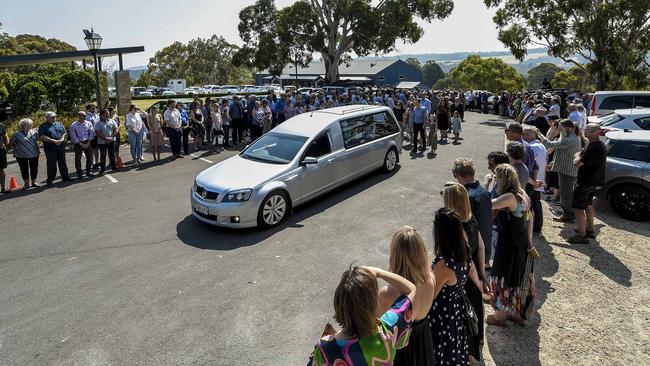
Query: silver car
column 627, row 184
column 300, row 159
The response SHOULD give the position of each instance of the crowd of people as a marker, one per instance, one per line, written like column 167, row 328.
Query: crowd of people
column 432, row 312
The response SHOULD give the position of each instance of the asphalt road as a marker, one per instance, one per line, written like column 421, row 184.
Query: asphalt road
column 100, row 272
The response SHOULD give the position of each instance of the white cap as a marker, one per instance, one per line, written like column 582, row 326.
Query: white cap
column 50, row 114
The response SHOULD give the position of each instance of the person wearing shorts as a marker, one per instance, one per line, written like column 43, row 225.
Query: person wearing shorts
column 591, row 175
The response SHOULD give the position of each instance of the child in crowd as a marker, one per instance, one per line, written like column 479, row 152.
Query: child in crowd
column 433, row 133
column 455, row 125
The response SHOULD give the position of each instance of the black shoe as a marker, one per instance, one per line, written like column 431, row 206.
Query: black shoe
column 67, row 179
column 48, row 183
column 577, row 239
column 589, row 233
column 101, row 172
column 181, row 156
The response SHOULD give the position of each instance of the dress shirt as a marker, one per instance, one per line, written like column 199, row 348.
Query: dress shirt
column 107, row 128
column 54, row 131
column 426, row 103
column 419, row 115
column 81, row 131
column 172, row 118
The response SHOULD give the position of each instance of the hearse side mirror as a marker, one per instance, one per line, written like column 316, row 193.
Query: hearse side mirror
column 309, row 160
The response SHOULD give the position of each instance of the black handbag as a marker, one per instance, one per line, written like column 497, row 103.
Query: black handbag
column 471, row 319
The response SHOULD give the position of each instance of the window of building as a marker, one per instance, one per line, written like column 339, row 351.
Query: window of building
column 402, row 77
column 382, row 78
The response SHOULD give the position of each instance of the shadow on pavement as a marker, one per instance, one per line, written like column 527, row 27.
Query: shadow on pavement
column 606, row 214
column 503, row 341
column 195, row 233
column 599, row 258
column 494, row 122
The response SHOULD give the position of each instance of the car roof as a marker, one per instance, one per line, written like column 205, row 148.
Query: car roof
column 632, row 111
column 310, row 123
column 627, row 92
column 636, row 135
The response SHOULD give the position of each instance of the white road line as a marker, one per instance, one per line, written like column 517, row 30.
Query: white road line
column 200, row 158
column 64, row 339
column 69, row 259
column 110, row 177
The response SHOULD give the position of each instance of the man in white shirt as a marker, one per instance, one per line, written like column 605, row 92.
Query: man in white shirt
column 539, row 152
column 172, row 119
column 135, row 128
column 574, row 116
column 554, row 109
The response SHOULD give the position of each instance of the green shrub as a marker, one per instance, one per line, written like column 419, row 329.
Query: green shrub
column 28, row 98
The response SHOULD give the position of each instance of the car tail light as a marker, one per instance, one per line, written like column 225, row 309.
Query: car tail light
column 593, row 105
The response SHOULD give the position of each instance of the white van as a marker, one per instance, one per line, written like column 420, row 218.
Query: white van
column 604, row 102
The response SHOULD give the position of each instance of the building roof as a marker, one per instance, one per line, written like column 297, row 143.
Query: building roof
column 353, row 67
column 65, row 56
column 407, row 85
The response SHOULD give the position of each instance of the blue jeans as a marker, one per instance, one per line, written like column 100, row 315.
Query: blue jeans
column 135, row 143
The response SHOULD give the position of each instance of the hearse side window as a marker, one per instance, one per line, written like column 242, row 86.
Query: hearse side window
column 385, row 124
column 319, row 147
column 357, row 131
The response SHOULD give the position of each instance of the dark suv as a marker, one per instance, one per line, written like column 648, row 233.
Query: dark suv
column 627, row 184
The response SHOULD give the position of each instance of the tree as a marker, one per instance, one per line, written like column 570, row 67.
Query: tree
column 612, row 36
column 28, row 98
column 448, row 82
column 574, row 78
column 71, row 89
column 537, row 74
column 333, row 28
column 490, row 74
column 415, row 62
column 201, row 60
column 431, row 73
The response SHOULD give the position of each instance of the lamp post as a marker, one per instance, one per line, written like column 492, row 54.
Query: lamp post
column 94, row 43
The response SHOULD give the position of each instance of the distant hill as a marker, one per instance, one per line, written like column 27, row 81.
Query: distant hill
column 448, row 61
column 136, row 71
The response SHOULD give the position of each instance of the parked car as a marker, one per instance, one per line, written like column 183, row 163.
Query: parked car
column 302, row 158
column 145, row 94
column 208, row 89
column 167, row 93
column 230, row 89
column 630, row 119
column 193, row 90
column 604, row 102
column 136, row 90
column 627, row 178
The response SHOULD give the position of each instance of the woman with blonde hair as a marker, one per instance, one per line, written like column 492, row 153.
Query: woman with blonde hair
column 155, row 132
column 456, row 198
column 409, row 259
column 513, row 288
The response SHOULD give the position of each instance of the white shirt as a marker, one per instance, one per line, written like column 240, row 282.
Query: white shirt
column 539, row 151
column 134, row 122
column 577, row 120
column 172, row 118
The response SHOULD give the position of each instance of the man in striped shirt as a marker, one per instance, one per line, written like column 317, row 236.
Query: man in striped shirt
column 565, row 149
column 82, row 133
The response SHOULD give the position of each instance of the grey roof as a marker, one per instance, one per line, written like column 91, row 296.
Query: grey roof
column 64, row 56
column 350, row 68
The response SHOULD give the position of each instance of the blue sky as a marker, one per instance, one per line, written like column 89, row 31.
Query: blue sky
column 158, row 23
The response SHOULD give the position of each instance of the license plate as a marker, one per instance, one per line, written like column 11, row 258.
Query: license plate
column 201, row 209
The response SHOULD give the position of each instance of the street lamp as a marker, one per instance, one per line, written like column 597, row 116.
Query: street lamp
column 94, row 43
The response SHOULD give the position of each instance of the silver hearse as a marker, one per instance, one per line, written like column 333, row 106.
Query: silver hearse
column 302, row 158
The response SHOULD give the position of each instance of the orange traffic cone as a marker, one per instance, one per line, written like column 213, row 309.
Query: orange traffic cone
column 13, row 185
column 119, row 164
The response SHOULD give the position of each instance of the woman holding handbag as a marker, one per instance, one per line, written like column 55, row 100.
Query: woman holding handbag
column 456, row 198
column 451, row 269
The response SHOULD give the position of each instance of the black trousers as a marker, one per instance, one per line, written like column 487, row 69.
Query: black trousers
column 237, row 130
column 186, row 140
column 78, row 152
column 28, row 168
column 419, row 128
column 107, row 149
column 226, row 135
column 174, row 140
column 56, row 157
column 256, row 131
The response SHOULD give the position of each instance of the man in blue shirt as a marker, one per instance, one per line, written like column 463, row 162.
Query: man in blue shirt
column 237, row 116
column 185, row 127
column 426, row 103
column 53, row 135
column 419, row 117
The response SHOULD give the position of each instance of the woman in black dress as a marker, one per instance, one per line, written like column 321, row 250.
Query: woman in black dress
column 409, row 259
column 456, row 198
column 513, row 288
column 443, row 116
column 451, row 269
